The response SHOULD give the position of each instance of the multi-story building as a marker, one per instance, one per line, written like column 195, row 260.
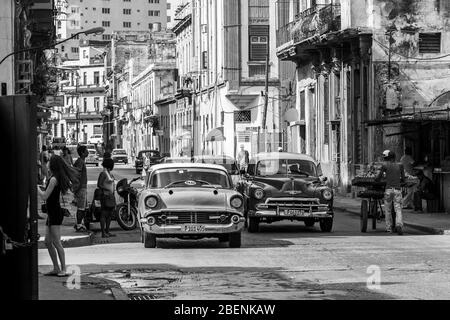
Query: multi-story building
column 113, row 15
column 230, row 44
column 369, row 77
column 172, row 9
column 83, row 88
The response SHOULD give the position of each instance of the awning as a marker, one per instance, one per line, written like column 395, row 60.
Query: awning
column 216, row 135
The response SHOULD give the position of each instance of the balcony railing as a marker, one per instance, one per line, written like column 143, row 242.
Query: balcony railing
column 315, row 21
column 91, row 115
column 69, row 116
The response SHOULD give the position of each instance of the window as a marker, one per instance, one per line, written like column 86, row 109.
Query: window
column 74, row 50
column 126, row 11
column 429, row 42
column 84, row 105
column 85, row 54
column 153, row 1
column 96, row 77
column 258, row 70
column 106, row 23
column 258, row 12
column 259, row 42
column 85, row 78
column 97, row 104
column 106, row 37
column 75, row 10
column 205, row 59
column 154, row 13
column 243, row 116
column 127, row 24
column 75, row 36
column 106, row 10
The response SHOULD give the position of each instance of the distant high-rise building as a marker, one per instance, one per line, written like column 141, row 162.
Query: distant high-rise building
column 113, row 15
column 172, row 7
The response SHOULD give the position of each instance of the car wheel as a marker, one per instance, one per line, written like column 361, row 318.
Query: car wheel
column 253, row 225
column 326, row 225
column 149, row 240
column 310, row 223
column 235, row 240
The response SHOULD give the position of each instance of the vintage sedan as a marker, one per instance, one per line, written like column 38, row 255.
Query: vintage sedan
column 286, row 186
column 190, row 201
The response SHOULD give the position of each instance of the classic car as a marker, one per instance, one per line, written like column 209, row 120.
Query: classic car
column 175, row 160
column 154, row 157
column 93, row 158
column 286, row 186
column 119, row 155
column 190, row 201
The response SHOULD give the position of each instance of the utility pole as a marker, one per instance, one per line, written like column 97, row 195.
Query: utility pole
column 266, row 102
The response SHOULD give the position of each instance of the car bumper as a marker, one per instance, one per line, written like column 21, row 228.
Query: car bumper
column 120, row 160
column 178, row 230
column 279, row 215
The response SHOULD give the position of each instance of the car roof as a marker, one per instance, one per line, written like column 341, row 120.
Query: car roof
column 210, row 157
column 284, row 156
column 187, row 165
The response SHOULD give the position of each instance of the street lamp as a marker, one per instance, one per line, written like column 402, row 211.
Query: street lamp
column 97, row 30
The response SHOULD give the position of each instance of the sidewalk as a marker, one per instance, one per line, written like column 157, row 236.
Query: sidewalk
column 433, row 223
column 69, row 237
column 54, row 288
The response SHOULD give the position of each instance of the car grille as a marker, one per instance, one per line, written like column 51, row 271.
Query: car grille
column 296, row 203
column 180, row 218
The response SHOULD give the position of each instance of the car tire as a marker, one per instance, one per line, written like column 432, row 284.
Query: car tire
column 326, row 225
column 149, row 240
column 235, row 240
column 253, row 225
column 310, row 223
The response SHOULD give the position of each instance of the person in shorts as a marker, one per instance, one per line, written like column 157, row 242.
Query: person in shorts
column 80, row 190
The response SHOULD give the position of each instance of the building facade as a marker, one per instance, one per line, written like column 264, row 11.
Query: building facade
column 370, row 77
column 113, row 15
column 83, row 89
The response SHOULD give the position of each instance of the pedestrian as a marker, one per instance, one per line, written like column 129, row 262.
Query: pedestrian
column 44, row 158
column 424, row 191
column 58, row 184
column 243, row 160
column 67, row 156
column 108, row 201
column 395, row 177
column 80, row 190
column 408, row 163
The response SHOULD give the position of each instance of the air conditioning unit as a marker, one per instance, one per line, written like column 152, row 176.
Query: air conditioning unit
column 204, row 28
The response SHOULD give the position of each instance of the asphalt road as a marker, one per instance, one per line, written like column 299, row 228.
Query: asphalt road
column 284, row 261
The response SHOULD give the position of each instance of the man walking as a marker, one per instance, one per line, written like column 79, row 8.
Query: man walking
column 80, row 190
column 243, row 160
column 408, row 163
column 395, row 178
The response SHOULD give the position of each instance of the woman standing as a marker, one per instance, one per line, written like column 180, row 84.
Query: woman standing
column 106, row 185
column 58, row 183
column 67, row 156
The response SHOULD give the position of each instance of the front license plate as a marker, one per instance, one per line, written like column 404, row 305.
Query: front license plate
column 194, row 228
column 295, row 213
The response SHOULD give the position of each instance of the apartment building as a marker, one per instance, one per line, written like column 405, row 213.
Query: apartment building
column 369, row 77
column 83, row 89
column 113, row 15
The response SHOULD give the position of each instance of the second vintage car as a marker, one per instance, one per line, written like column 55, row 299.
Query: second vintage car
column 286, row 186
column 119, row 155
column 190, row 201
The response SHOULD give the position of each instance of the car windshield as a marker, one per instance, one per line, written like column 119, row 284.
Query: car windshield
column 92, row 152
column 149, row 154
column 119, row 152
column 177, row 160
column 178, row 178
column 286, row 167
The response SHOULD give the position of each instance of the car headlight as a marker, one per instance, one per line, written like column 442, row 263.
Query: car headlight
column 259, row 194
column 327, row 194
column 236, row 202
column 151, row 202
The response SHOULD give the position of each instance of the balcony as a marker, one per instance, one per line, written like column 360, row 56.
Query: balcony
column 315, row 21
column 69, row 116
column 91, row 88
column 91, row 115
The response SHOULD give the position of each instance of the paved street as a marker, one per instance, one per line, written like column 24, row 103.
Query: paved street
column 284, row 261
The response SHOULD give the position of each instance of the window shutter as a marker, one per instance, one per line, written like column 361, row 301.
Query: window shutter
column 258, row 47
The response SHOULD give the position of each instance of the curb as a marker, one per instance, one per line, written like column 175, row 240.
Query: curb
column 426, row 229
column 72, row 242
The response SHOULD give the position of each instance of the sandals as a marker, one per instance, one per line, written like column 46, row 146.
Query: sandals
column 62, row 274
column 52, row 273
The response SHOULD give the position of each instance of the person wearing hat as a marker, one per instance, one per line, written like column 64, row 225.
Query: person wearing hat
column 243, row 160
column 394, row 174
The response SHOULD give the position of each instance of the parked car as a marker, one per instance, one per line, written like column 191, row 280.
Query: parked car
column 93, row 157
column 96, row 139
column 190, row 201
column 119, row 155
column 153, row 156
column 58, row 143
column 175, row 160
column 286, row 186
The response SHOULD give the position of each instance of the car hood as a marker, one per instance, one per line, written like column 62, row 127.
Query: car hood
column 189, row 198
column 291, row 187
